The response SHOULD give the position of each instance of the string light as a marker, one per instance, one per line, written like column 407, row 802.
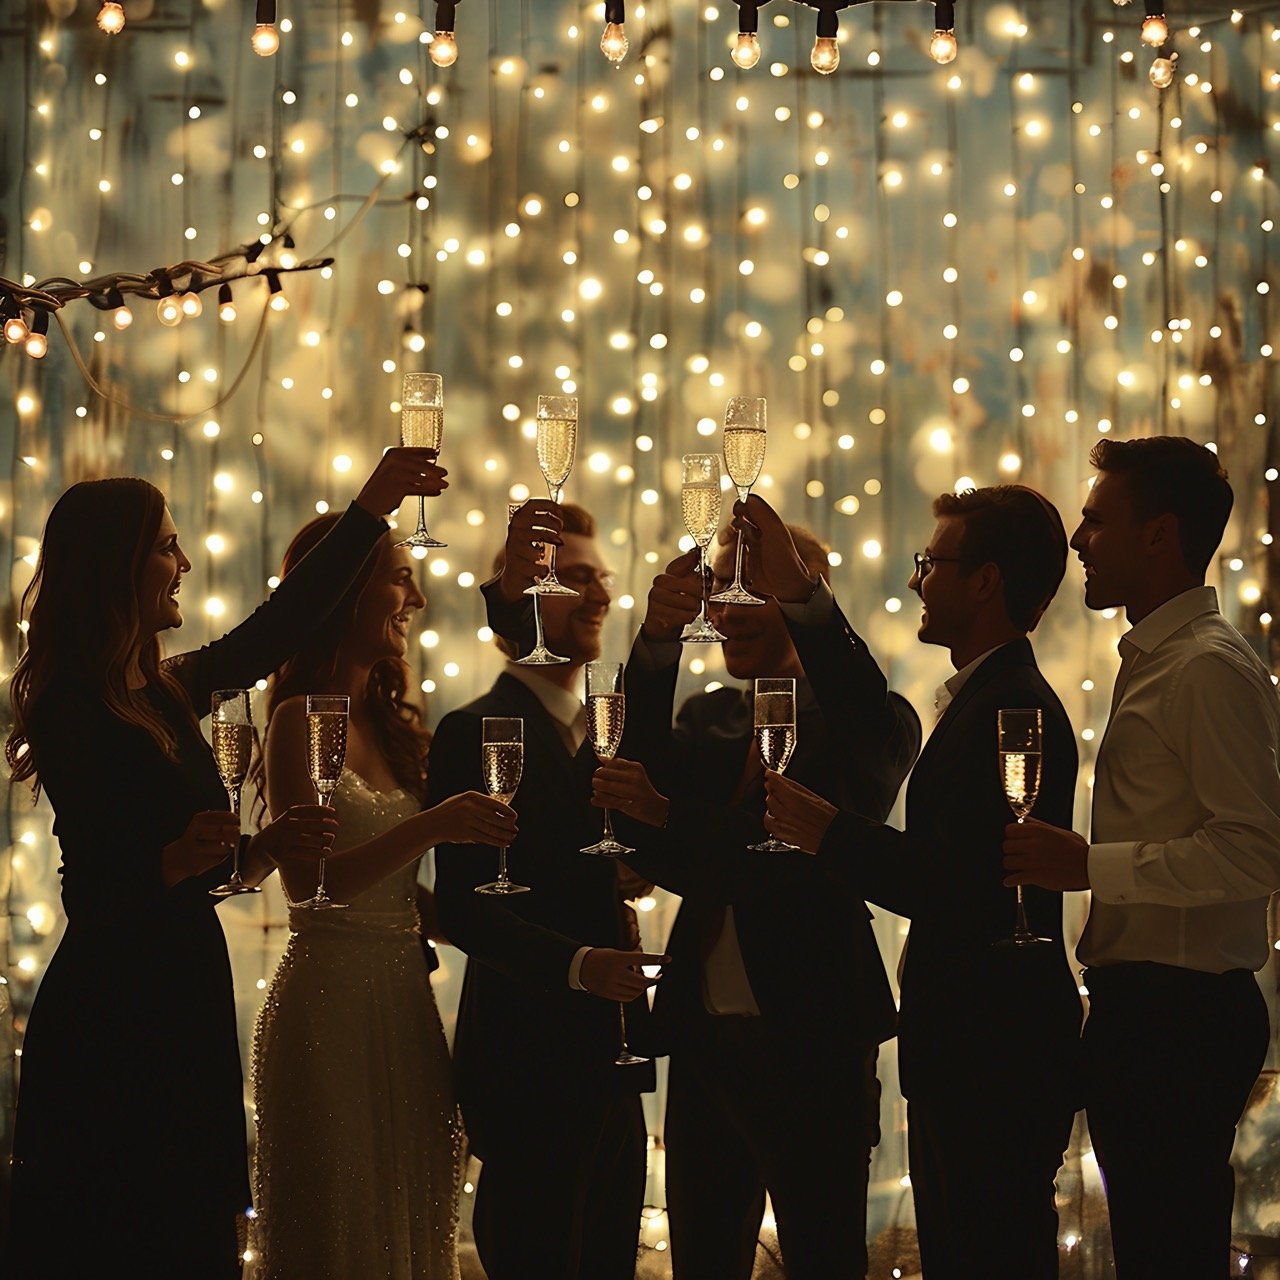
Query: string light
column 15, row 329
column 226, row 307
column 37, row 344
column 943, row 47
column 111, row 17
column 265, row 40
column 1163, row 71
column 1155, row 27
column 121, row 316
column 614, row 43
column 825, row 57
column 444, row 45
column 277, row 301
column 746, row 48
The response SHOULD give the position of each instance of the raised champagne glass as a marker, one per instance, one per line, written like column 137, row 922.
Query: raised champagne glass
column 422, row 427
column 606, row 715
column 232, row 748
column 1019, row 733
column 744, row 442
column 700, row 509
column 539, row 655
column 557, row 423
column 327, row 715
column 502, row 758
column 774, row 714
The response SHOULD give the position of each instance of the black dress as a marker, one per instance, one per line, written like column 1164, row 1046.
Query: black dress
column 129, row 1145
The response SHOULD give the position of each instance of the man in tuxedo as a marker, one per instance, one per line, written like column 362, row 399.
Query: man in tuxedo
column 987, row 1032
column 776, row 997
column 557, row 1125
column 1185, row 852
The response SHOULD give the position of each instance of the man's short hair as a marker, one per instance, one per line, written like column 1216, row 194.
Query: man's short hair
column 576, row 520
column 1021, row 533
column 1174, row 475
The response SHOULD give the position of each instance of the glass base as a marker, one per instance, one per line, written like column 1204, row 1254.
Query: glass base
column 502, row 887
column 233, row 887
column 700, row 631
column 607, row 848
column 420, row 538
column 628, row 1059
column 540, row 657
column 321, row 902
column 774, row 846
column 552, row 587
column 736, row 595
column 1021, row 939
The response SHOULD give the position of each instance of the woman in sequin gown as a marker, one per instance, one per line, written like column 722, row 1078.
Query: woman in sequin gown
column 359, row 1141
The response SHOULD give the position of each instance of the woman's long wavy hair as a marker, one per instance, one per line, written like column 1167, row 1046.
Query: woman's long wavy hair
column 83, row 615
column 397, row 723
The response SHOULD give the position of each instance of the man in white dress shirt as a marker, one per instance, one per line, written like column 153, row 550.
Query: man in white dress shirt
column 1185, row 852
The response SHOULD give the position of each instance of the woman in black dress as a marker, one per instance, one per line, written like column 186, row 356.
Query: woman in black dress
column 129, row 1146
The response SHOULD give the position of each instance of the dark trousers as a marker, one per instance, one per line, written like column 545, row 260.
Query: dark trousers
column 561, row 1188
column 982, row 1171
column 746, row 1113
column 1170, row 1056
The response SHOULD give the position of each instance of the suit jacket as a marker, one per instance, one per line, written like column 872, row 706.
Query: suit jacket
column 521, row 1029
column 805, row 937
column 975, row 1019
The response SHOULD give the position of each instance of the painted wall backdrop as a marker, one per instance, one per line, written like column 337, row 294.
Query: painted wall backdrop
column 939, row 275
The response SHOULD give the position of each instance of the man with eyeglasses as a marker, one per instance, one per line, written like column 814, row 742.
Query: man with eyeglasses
column 776, row 998
column 558, row 1127
column 988, row 1031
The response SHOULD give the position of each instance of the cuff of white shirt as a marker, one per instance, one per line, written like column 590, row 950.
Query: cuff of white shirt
column 656, row 654
column 1111, row 870
column 815, row 611
column 575, row 968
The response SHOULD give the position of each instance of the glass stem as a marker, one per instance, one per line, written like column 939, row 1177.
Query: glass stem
column 422, row 515
column 554, row 494
column 233, row 795
column 702, row 561
column 608, row 826
column 622, row 1021
column 541, row 644
column 503, row 878
column 1021, row 920
column 737, row 564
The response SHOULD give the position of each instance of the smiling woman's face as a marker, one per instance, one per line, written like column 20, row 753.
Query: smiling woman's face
column 380, row 628
column 161, row 579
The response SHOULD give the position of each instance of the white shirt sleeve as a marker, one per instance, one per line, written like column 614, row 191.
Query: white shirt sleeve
column 575, row 968
column 1224, row 731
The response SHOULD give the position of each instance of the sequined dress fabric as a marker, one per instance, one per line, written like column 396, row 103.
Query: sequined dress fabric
column 359, row 1145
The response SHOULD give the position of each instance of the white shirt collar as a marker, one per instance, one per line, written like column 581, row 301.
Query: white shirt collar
column 1149, row 634
column 946, row 692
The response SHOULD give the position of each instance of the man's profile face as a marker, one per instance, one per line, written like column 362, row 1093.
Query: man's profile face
column 1110, row 542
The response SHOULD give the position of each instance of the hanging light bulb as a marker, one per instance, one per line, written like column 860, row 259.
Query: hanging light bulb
column 444, row 46
column 1155, row 27
column 111, row 17
column 746, row 49
column 825, row 57
column 614, row 43
column 288, row 259
column 191, row 305
column 121, row 316
column 169, row 311
column 1163, row 71
column 265, row 39
column 37, row 345
column 277, row 302
column 226, row 307
column 15, row 329
column 944, row 46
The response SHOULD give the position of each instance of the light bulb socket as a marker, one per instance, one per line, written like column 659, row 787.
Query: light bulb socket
column 944, row 15
column 748, row 17
column 264, row 15
column 615, row 11
column 828, row 24
column 446, row 14
column 164, row 286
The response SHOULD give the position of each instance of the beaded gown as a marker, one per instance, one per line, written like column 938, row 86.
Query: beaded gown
column 359, row 1143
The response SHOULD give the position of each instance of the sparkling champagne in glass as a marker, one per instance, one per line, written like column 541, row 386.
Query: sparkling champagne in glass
column 557, row 422
column 422, row 427
column 232, row 749
column 1019, row 735
column 744, row 441
column 774, row 712
column 700, row 508
column 327, row 715
column 606, row 716
column 502, row 759
column 539, row 655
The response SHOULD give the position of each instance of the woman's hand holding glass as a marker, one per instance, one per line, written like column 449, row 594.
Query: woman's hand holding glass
column 473, row 818
column 298, row 838
column 208, row 840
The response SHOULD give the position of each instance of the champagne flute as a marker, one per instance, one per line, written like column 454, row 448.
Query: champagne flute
column 422, row 427
column 502, row 755
column 606, row 715
column 232, row 747
column 539, row 655
column 557, row 443
column 774, row 710
column 744, row 441
column 326, row 754
column 625, row 1057
column 1018, row 734
column 700, row 507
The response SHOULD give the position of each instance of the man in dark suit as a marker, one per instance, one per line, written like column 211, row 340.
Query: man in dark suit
column 776, row 998
column 557, row 1125
column 987, row 1032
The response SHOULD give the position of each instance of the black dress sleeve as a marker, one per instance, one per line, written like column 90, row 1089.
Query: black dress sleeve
column 272, row 632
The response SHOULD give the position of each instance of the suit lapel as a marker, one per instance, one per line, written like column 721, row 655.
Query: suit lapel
column 540, row 733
